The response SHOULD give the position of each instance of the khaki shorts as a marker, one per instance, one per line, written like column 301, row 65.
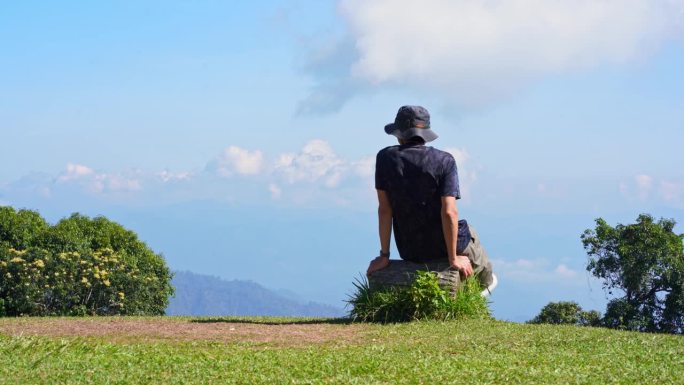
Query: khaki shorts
column 482, row 268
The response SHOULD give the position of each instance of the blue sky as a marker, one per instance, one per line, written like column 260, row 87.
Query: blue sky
column 239, row 138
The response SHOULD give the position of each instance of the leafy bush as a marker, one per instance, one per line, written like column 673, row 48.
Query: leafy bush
column 424, row 299
column 79, row 266
column 568, row 313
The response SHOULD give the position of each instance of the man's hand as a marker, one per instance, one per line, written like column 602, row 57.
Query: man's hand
column 378, row 263
column 462, row 263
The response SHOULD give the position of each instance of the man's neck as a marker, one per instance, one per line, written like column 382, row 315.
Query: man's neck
column 411, row 142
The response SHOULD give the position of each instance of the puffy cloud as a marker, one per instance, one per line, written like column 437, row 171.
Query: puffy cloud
column 75, row 171
column 235, row 160
column 98, row 183
column 317, row 161
column 474, row 52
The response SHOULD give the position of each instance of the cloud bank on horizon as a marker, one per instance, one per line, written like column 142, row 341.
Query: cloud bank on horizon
column 473, row 53
column 314, row 176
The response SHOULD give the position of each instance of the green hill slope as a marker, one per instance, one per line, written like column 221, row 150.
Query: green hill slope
column 279, row 351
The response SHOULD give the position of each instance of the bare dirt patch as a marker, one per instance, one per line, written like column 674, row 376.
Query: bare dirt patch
column 136, row 330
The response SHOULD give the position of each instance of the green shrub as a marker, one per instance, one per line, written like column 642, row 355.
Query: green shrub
column 567, row 313
column 423, row 300
column 80, row 266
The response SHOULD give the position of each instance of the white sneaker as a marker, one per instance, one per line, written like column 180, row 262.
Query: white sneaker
column 488, row 290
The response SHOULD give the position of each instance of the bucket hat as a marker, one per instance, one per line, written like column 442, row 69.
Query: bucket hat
column 412, row 121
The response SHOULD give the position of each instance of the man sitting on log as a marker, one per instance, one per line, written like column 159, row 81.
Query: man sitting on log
column 417, row 189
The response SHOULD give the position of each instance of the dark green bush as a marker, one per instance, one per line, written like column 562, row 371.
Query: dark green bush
column 80, row 266
column 423, row 300
column 568, row 313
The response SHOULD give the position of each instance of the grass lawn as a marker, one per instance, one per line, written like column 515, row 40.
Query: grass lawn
column 180, row 350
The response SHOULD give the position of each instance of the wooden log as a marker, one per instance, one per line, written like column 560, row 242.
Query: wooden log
column 401, row 273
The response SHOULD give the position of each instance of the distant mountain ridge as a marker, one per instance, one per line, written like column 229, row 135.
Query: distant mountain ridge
column 205, row 295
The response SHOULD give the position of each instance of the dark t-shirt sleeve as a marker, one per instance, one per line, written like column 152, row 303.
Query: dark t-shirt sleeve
column 380, row 172
column 448, row 183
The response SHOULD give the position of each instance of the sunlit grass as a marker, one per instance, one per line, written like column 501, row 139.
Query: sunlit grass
column 472, row 351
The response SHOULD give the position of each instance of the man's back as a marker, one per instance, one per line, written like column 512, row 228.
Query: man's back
column 415, row 177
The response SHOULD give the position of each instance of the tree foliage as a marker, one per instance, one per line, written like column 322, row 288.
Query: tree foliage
column 566, row 313
column 79, row 266
column 643, row 265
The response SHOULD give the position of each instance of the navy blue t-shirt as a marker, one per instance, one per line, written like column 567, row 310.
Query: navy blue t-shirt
column 415, row 177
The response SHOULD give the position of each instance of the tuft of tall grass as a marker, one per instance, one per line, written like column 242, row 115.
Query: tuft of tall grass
column 423, row 300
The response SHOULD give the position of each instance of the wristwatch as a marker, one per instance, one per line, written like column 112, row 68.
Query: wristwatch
column 384, row 254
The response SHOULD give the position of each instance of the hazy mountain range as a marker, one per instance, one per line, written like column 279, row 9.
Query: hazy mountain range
column 204, row 295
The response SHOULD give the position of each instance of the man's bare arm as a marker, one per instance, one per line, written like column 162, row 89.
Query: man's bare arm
column 384, row 231
column 450, row 229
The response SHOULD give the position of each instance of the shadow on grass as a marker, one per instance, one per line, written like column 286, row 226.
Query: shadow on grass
column 274, row 321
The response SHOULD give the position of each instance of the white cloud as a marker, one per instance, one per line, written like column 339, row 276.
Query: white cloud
column 474, row 52
column 99, row 183
column 235, row 160
column 120, row 183
column 644, row 184
column 540, row 271
column 365, row 167
column 75, row 171
column 317, row 161
column 167, row 176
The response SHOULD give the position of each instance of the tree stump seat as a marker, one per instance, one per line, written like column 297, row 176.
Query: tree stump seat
column 401, row 273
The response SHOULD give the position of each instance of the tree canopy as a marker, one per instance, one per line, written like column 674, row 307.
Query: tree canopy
column 642, row 264
column 78, row 266
column 566, row 313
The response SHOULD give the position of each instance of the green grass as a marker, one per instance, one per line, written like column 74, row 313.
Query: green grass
column 424, row 299
column 462, row 351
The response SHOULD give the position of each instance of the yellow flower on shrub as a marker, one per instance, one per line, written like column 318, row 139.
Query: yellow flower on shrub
column 39, row 263
column 17, row 260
